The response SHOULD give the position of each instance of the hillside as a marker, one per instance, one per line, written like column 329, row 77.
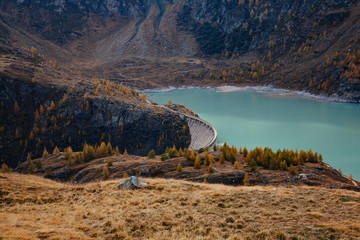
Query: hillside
column 83, row 169
column 33, row 207
column 298, row 45
column 45, row 104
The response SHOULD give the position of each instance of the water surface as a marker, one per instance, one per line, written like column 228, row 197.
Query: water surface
column 250, row 118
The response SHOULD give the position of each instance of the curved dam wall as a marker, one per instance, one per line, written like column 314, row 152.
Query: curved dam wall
column 203, row 134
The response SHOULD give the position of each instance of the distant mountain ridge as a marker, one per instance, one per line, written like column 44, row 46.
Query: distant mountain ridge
column 299, row 45
column 235, row 25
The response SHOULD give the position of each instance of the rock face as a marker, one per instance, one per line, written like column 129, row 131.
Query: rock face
column 74, row 121
column 217, row 25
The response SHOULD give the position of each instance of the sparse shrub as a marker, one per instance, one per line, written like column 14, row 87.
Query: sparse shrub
column 283, row 165
column 164, row 157
column 101, row 151
column 45, row 153
column 109, row 149
column 117, row 152
column 245, row 152
column 31, row 167
column 192, row 156
column 19, row 167
column 232, row 158
column 351, row 179
column 172, row 152
column 215, row 148
column 325, row 167
column 179, row 167
column 5, row 168
column 222, row 159
column 197, row 163
column 180, row 152
column 201, row 150
column 88, row 153
column 38, row 164
column 109, row 162
column 78, row 157
column 236, row 165
column 28, row 158
column 206, row 162
column 151, row 154
column 320, row 158
column 211, row 158
column 68, row 155
column 246, row 180
column 211, row 167
column 105, row 172
column 253, row 165
column 292, row 169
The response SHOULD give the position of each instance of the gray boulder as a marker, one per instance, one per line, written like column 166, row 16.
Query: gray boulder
column 131, row 183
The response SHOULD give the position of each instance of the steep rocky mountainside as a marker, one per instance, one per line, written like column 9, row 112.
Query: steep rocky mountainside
column 44, row 105
column 57, row 51
column 300, row 45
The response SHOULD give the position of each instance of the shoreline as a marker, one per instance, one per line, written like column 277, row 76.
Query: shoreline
column 277, row 92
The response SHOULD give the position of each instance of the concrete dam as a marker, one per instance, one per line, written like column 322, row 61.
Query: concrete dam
column 203, row 134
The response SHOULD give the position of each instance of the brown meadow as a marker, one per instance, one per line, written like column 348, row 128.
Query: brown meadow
column 36, row 208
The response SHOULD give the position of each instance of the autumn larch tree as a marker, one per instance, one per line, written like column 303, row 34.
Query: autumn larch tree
column 246, row 180
column 56, row 150
column 109, row 162
column 45, row 153
column 105, row 172
column 151, row 154
column 179, row 167
column 236, row 165
column 197, row 163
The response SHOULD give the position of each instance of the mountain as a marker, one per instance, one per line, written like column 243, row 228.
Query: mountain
column 300, row 45
column 45, row 105
column 78, row 63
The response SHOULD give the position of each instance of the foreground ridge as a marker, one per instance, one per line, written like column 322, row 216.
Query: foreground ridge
column 33, row 207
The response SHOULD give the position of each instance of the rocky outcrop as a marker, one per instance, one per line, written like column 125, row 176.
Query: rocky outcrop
column 311, row 174
column 69, row 119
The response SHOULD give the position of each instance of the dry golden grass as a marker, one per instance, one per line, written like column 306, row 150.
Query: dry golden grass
column 32, row 207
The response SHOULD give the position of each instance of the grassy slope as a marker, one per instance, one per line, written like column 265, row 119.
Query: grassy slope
column 33, row 207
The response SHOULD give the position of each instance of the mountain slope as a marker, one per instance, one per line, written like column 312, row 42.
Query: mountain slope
column 45, row 104
column 300, row 45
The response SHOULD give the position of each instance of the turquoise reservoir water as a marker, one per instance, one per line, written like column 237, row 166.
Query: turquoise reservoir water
column 250, row 118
